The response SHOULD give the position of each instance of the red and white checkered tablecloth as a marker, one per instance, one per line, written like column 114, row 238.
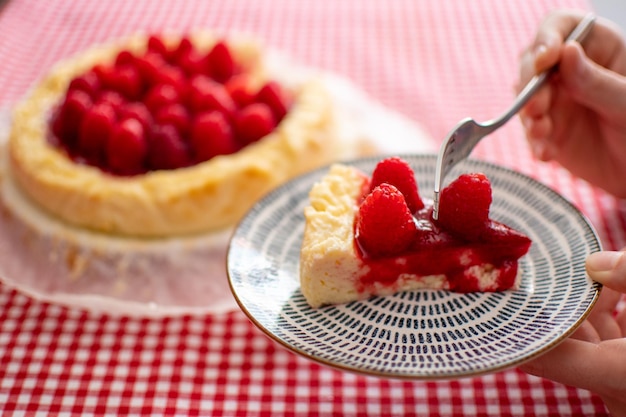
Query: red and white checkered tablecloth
column 434, row 61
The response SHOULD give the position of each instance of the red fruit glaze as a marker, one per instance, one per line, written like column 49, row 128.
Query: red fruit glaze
column 398, row 172
column 437, row 252
column 384, row 224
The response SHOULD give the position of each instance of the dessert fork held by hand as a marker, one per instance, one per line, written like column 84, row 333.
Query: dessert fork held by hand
column 467, row 133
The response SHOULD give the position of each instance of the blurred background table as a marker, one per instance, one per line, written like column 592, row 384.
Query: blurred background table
column 433, row 61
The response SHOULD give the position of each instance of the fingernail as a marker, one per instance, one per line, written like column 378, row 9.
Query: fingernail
column 539, row 51
column 603, row 261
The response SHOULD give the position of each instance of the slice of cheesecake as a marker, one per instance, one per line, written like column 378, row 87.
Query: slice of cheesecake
column 367, row 236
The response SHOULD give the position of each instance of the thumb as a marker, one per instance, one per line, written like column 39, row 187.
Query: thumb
column 608, row 268
column 590, row 84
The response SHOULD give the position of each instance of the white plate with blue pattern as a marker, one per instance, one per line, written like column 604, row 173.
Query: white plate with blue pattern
column 423, row 334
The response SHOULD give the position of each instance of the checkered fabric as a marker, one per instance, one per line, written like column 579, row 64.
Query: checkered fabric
column 434, row 61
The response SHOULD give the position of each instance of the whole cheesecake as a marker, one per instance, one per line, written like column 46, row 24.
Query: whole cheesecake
column 373, row 235
column 161, row 136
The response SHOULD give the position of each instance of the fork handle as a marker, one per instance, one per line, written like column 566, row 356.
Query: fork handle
column 578, row 34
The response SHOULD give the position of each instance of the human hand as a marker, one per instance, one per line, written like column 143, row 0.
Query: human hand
column 577, row 119
column 594, row 357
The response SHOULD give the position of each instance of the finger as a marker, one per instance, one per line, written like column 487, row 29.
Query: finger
column 621, row 321
column 527, row 68
column 592, row 85
column 602, row 316
column 538, row 131
column 586, row 332
column 615, row 405
column 608, row 268
column 538, row 128
column 550, row 37
column 539, row 104
column 595, row 367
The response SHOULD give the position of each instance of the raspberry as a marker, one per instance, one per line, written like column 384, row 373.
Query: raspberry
column 139, row 111
column 385, row 225
column 126, row 80
column 112, row 98
column 510, row 242
column 238, row 87
column 95, row 130
column 184, row 47
column 105, row 74
column 206, row 95
column 187, row 106
column 464, row 206
column 160, row 96
column 399, row 173
column 212, row 135
column 167, row 149
column 192, row 63
column 169, row 74
column 148, row 66
column 221, row 62
column 88, row 82
column 176, row 115
column 70, row 116
column 157, row 45
column 124, row 57
column 273, row 95
column 127, row 148
column 253, row 122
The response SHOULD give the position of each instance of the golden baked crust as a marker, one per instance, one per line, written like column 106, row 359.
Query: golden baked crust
column 204, row 197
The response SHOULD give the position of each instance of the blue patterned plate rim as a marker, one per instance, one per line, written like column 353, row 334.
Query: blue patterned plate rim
column 421, row 335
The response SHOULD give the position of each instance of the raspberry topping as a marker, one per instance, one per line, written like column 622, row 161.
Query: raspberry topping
column 167, row 149
column 464, row 206
column 463, row 214
column 393, row 241
column 127, row 147
column 166, row 108
column 95, row 130
column 397, row 171
column 253, row 122
column 212, row 135
column 384, row 224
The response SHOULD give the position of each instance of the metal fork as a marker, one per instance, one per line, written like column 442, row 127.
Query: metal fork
column 467, row 133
